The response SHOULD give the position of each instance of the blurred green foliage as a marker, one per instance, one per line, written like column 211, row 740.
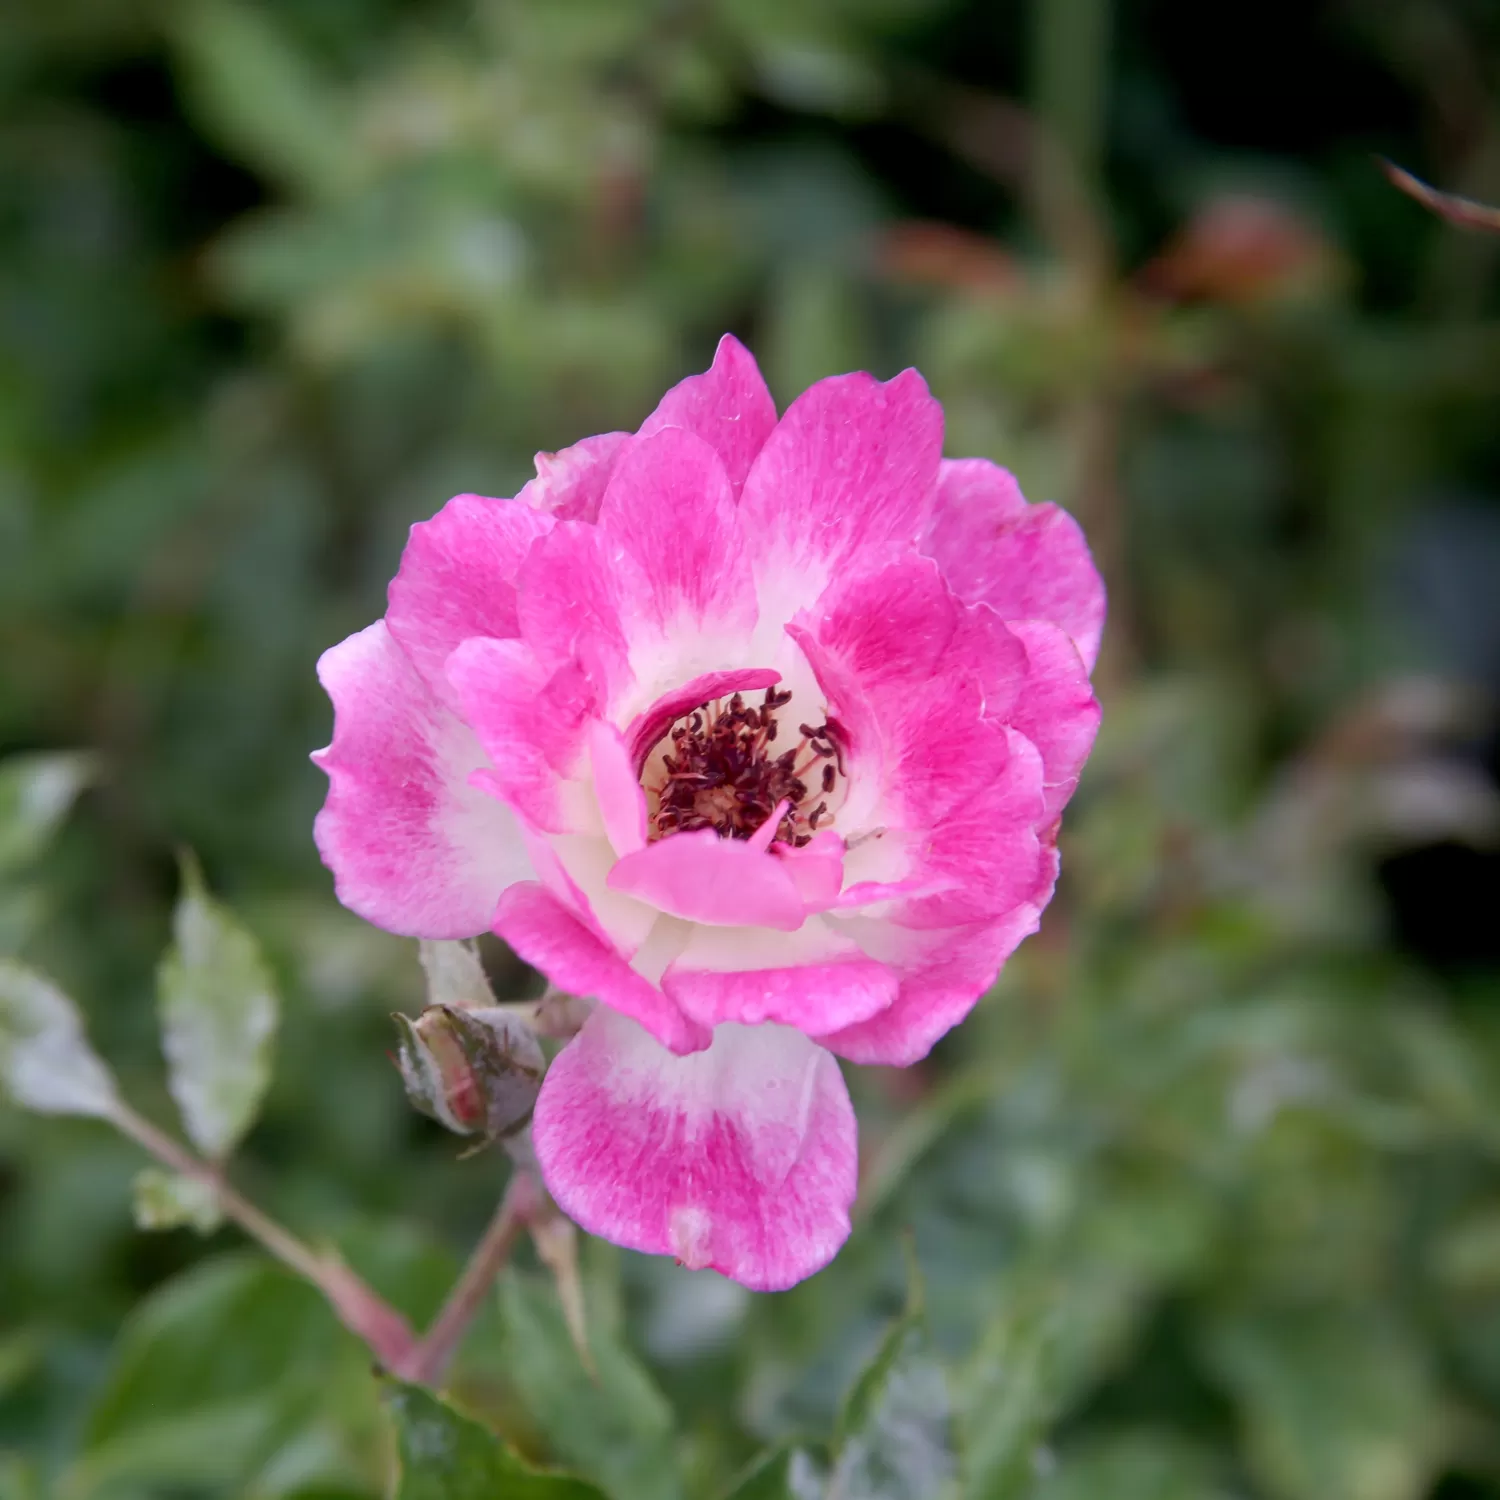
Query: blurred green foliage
column 1206, row 1197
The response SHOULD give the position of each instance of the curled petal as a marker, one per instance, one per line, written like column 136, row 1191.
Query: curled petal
column 720, row 882
column 1027, row 562
column 412, row 846
column 650, row 725
column 741, row 1157
column 570, row 483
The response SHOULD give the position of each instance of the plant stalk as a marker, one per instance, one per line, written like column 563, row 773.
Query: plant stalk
column 362, row 1311
column 429, row 1361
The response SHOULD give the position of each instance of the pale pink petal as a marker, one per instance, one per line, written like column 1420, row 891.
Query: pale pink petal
column 622, row 800
column 742, row 1158
column 412, row 846
column 458, row 577
column 1028, row 562
column 670, row 511
column 550, row 938
column 533, row 723
column 648, row 727
column 570, row 483
column 850, row 471
column 704, row 878
column 728, row 406
column 574, row 868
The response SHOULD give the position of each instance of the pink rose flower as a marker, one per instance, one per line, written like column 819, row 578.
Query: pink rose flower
column 758, row 732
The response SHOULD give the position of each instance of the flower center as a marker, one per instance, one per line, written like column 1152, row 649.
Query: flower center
column 718, row 767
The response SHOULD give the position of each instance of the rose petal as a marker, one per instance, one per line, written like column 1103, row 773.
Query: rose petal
column 457, row 579
column 670, row 512
column 705, row 878
column 714, row 981
column 741, row 1157
column 412, row 846
column 622, row 800
column 550, row 938
column 850, row 470
column 1028, row 562
column 649, row 726
column 533, row 723
column 728, row 406
column 570, row 483
column 943, row 974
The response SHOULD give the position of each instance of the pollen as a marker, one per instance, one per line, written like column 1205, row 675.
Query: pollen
column 722, row 766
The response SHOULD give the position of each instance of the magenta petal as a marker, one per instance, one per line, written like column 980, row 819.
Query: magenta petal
column 670, row 511
column 412, row 846
column 647, row 728
column 704, row 878
column 550, row 938
column 960, row 795
column 728, row 407
column 815, row 998
column 531, row 721
column 939, row 987
column 742, row 1158
column 570, row 600
column 850, row 469
column 1056, row 710
column 1027, row 562
column 457, row 579
column 570, row 483
column 622, row 801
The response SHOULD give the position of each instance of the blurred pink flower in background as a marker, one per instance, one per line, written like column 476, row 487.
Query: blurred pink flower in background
column 756, row 731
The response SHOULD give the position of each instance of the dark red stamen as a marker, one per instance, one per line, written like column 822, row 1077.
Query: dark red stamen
column 718, row 773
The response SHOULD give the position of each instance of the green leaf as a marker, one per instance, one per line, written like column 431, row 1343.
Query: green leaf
column 785, row 1474
column 220, row 1376
column 168, row 1200
column 46, row 1063
column 895, row 1431
column 1332, row 1403
column 1133, row 1466
column 20, row 1478
column 36, row 792
column 257, row 91
column 218, row 1017
column 614, row 1427
column 1010, row 1394
column 445, row 1456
